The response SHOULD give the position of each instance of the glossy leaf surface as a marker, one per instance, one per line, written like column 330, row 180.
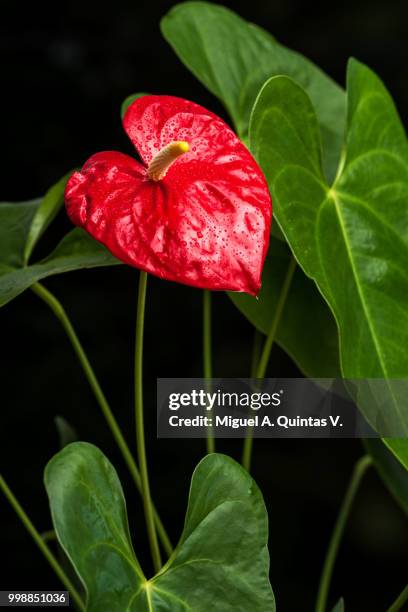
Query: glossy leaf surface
column 351, row 238
column 76, row 251
column 234, row 58
column 221, row 561
column 15, row 223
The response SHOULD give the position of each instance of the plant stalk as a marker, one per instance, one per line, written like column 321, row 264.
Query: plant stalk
column 59, row 311
column 256, row 352
column 359, row 470
column 400, row 601
column 207, row 356
column 39, row 540
column 140, row 435
column 260, row 370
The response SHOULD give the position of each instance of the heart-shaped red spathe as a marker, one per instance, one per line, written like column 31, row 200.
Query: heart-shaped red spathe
column 206, row 223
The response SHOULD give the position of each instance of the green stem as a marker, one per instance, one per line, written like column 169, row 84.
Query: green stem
column 266, row 353
column 256, row 352
column 270, row 339
column 41, row 543
column 62, row 316
column 207, row 356
column 400, row 601
column 359, row 470
column 140, row 435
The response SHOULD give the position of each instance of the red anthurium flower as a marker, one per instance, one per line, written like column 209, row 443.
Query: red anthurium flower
column 198, row 211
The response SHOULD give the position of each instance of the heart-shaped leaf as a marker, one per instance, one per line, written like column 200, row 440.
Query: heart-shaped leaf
column 234, row 58
column 77, row 250
column 351, row 238
column 307, row 331
column 221, row 561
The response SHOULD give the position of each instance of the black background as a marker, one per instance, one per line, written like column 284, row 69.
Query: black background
column 65, row 70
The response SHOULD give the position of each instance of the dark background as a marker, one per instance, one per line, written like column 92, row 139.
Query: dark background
column 66, row 67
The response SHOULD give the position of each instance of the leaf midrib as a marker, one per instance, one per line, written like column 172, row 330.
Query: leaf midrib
column 363, row 300
column 332, row 195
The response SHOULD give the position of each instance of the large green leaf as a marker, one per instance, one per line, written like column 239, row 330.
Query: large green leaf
column 220, row 563
column 307, row 330
column 77, row 249
column 234, row 58
column 390, row 469
column 351, row 238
